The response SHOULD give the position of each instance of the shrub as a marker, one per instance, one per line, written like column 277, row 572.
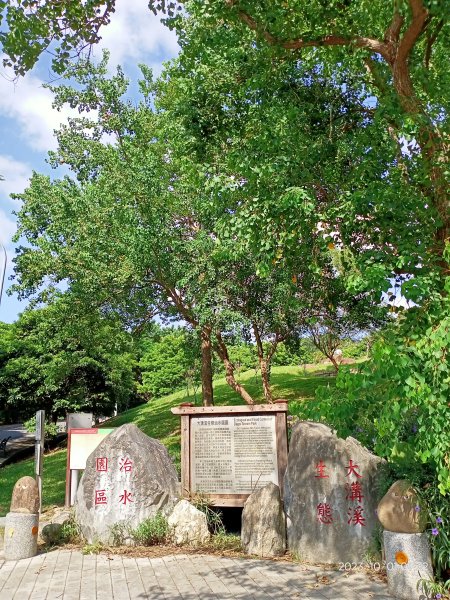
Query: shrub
column 152, row 531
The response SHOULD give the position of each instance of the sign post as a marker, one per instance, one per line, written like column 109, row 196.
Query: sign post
column 39, row 451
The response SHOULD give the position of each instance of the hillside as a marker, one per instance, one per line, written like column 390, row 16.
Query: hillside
column 154, row 418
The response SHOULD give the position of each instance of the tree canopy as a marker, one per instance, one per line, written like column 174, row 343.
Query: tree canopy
column 58, row 360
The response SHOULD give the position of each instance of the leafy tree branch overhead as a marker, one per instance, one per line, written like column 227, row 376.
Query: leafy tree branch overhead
column 396, row 51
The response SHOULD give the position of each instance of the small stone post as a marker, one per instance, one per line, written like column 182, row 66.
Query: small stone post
column 406, row 547
column 22, row 522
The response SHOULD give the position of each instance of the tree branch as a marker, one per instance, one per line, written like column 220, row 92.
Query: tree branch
column 430, row 41
column 327, row 40
column 393, row 31
column 420, row 19
column 278, row 338
column 373, row 70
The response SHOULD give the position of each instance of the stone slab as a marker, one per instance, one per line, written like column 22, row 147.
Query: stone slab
column 399, row 510
column 25, row 496
column 264, row 523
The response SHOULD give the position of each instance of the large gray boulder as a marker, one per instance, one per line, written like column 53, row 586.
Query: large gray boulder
column 128, row 478
column 188, row 525
column 331, row 495
column 263, row 523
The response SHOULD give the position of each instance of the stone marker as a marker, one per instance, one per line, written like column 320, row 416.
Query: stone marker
column 25, row 496
column 408, row 560
column 331, row 495
column 263, row 523
column 128, row 478
column 399, row 509
column 188, row 525
column 21, row 533
column 22, row 522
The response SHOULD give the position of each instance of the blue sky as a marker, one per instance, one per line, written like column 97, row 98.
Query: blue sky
column 27, row 119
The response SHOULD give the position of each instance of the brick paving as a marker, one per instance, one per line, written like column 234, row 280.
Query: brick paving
column 68, row 575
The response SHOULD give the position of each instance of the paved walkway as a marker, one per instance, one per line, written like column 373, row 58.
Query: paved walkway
column 20, row 438
column 68, row 575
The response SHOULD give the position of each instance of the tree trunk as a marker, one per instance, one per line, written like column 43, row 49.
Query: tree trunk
column 264, row 362
column 434, row 150
column 222, row 352
column 207, row 377
column 263, row 365
column 334, row 363
column 265, row 376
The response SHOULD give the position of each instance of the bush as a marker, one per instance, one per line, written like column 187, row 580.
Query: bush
column 152, row 531
column 51, row 429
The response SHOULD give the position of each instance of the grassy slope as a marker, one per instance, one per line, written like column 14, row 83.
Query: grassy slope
column 156, row 420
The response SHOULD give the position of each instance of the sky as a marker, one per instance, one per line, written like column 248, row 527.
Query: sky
column 27, row 119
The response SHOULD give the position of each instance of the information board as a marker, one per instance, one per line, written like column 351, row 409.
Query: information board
column 82, row 442
column 227, row 452
column 233, row 455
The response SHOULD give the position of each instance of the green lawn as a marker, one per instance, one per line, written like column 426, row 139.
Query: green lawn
column 156, row 420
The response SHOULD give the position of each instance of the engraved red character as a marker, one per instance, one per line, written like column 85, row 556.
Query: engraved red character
column 125, row 497
column 354, row 491
column 102, row 463
column 125, row 464
column 351, row 469
column 320, row 469
column 100, row 497
column 324, row 513
column 356, row 516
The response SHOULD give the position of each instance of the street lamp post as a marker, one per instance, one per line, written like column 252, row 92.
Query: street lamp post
column 2, row 280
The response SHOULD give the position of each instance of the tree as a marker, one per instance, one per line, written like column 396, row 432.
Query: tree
column 336, row 315
column 396, row 51
column 30, row 28
column 167, row 362
column 58, row 360
column 274, row 150
column 149, row 253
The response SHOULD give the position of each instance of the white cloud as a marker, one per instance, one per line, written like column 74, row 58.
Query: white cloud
column 16, row 175
column 7, row 229
column 30, row 105
column 136, row 35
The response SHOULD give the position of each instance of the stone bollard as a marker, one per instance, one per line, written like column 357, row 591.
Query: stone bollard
column 22, row 522
column 406, row 547
column 408, row 560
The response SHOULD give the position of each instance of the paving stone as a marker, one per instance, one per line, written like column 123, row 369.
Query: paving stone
column 68, row 575
column 28, row 582
column 15, row 578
